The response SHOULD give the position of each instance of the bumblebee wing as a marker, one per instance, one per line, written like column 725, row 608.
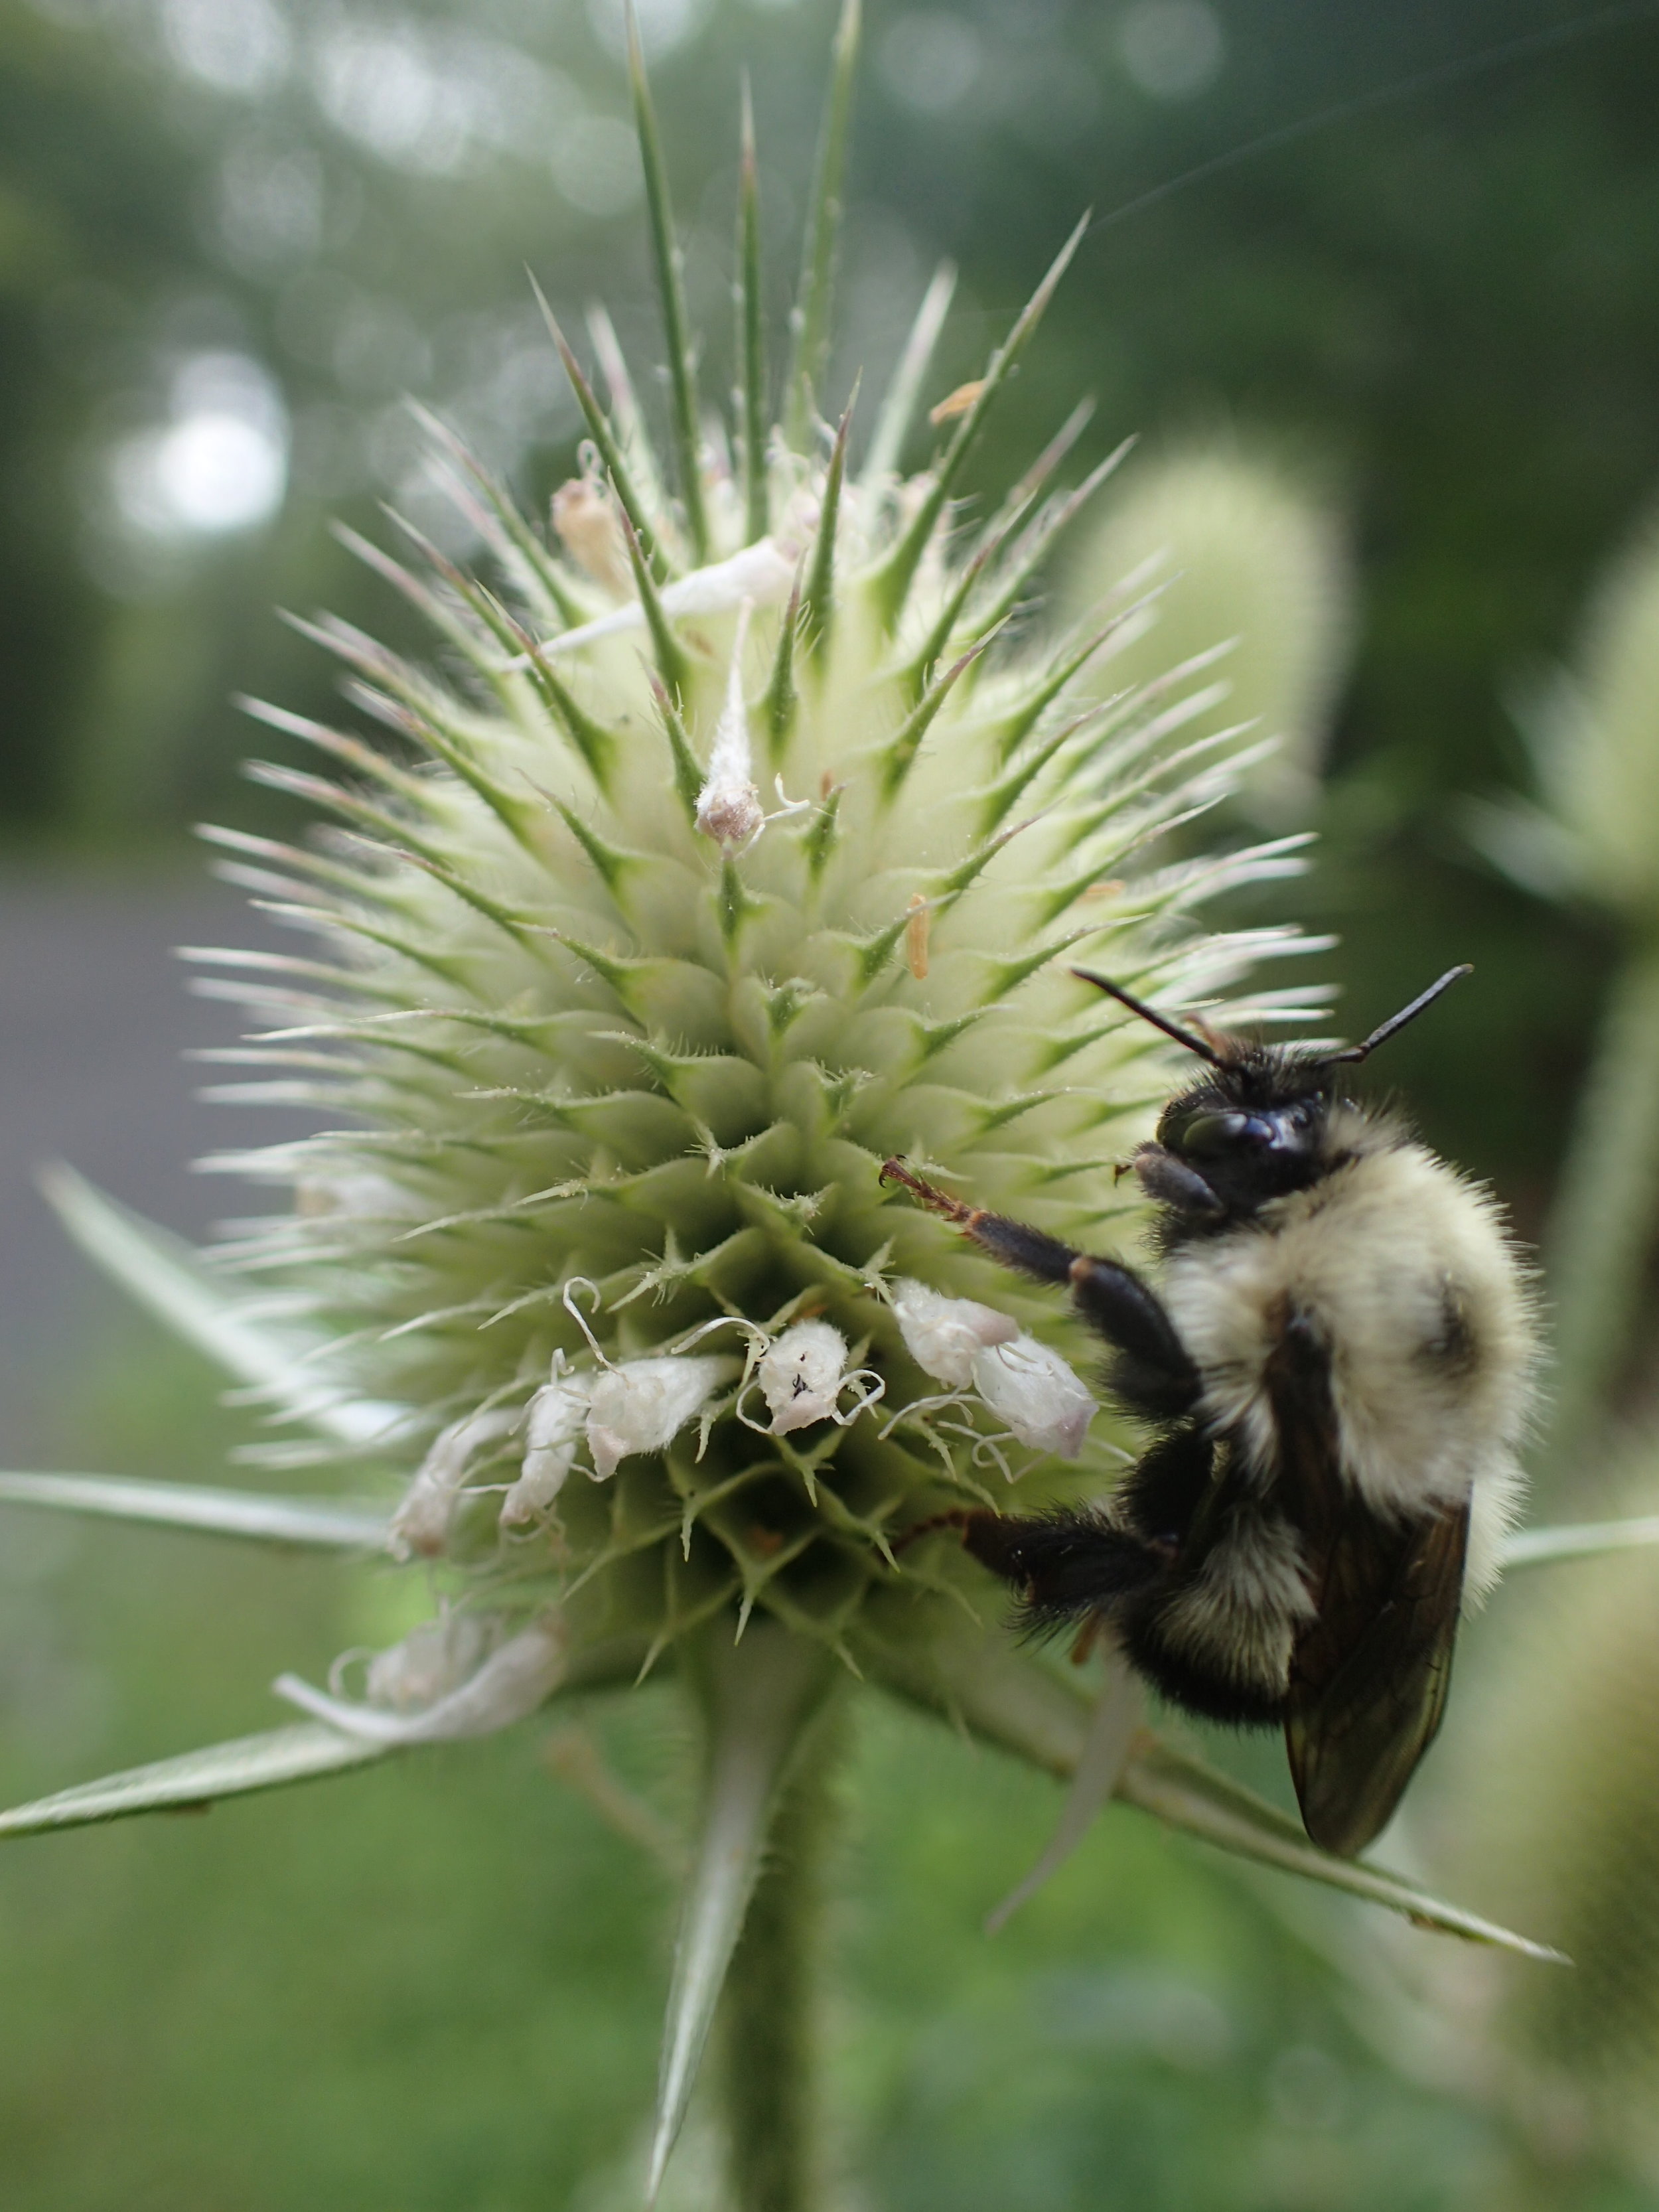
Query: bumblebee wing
column 1369, row 1676
column 1369, row 1673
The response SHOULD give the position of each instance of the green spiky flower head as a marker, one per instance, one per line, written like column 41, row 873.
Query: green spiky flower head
column 744, row 844
column 739, row 837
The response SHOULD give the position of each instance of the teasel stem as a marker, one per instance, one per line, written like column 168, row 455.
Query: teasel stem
column 1600, row 1230
column 769, row 2018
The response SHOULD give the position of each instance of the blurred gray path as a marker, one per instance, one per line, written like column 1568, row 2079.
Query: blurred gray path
column 95, row 1015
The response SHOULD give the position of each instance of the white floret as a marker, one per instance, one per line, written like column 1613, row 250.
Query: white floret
column 1035, row 1391
column 801, row 1375
column 944, row 1335
column 512, row 1681
column 642, row 1405
column 553, row 1429
column 422, row 1521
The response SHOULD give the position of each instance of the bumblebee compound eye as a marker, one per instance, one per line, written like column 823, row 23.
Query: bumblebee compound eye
column 1221, row 1136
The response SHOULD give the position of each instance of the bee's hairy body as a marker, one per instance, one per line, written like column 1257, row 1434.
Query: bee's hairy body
column 1334, row 1355
column 1388, row 1286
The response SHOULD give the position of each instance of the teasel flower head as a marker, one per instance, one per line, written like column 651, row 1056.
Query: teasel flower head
column 741, row 833
column 1591, row 729
column 1252, row 556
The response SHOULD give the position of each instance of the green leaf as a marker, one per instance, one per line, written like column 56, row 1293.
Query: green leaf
column 317, row 1523
column 164, row 1273
column 818, row 604
column 759, row 1696
column 671, row 655
column 596, row 744
column 898, row 752
column 1039, row 541
column 226, row 1769
column 781, row 699
column 688, row 774
column 515, row 533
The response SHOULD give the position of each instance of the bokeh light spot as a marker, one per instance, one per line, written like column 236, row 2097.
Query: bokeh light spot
column 220, row 466
column 1172, row 49
column 234, row 45
column 596, row 165
column 930, row 60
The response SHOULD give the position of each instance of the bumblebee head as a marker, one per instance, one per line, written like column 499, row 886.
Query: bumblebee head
column 1256, row 1127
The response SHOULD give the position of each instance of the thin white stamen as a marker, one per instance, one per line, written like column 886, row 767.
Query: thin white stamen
column 567, row 1299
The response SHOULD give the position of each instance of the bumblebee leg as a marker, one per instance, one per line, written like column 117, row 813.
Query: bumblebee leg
column 957, row 1517
column 1153, row 1374
column 1071, row 1565
column 1027, row 1250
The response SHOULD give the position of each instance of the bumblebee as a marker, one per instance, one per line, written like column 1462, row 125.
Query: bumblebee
column 1335, row 1353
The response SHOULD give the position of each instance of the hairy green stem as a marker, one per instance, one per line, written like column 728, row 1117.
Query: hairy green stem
column 1599, row 1235
column 769, row 2010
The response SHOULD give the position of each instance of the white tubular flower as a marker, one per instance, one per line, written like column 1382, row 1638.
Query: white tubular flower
column 728, row 807
column 431, row 1660
column 760, row 573
column 1037, row 1394
column 944, row 1336
column 642, row 1405
column 553, row 1428
column 422, row 1522
column 801, row 1375
column 517, row 1677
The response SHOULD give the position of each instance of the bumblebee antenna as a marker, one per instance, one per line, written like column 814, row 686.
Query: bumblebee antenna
column 1198, row 1044
column 1395, row 1023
